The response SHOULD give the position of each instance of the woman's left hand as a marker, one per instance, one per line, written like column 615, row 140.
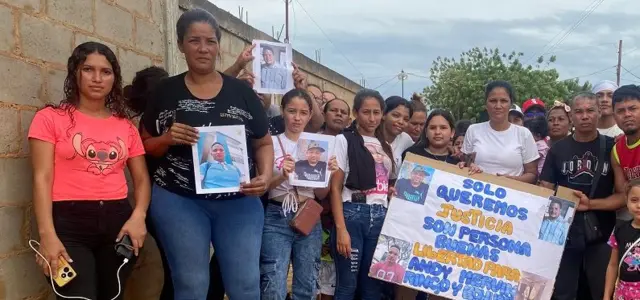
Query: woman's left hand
column 136, row 229
column 333, row 164
column 256, row 187
column 299, row 77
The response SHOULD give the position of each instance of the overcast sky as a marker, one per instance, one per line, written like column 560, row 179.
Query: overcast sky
column 382, row 37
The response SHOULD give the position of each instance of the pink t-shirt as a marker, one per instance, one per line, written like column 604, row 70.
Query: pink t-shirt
column 89, row 155
column 392, row 273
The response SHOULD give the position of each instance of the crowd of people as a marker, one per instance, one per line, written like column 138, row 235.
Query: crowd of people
column 81, row 147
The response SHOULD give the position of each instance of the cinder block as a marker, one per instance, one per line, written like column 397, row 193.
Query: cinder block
column 76, row 13
column 130, row 63
column 27, row 5
column 21, row 277
column 114, row 23
column 55, row 85
column 16, row 182
column 9, row 133
column 138, row 6
column 45, row 41
column 26, row 116
column 11, row 222
column 149, row 37
column 6, row 29
column 20, row 82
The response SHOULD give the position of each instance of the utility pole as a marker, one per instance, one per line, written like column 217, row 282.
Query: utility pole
column 286, row 21
column 619, row 63
column 402, row 77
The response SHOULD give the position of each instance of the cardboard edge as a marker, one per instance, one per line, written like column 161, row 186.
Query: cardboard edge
column 502, row 181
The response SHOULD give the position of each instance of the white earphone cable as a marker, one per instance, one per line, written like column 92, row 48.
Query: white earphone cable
column 53, row 285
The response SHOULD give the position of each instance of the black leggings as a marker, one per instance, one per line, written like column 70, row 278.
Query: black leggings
column 216, row 288
column 88, row 230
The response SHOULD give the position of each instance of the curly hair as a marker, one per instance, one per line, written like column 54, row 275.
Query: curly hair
column 138, row 92
column 114, row 101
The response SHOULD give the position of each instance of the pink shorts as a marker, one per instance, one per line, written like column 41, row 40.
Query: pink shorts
column 627, row 291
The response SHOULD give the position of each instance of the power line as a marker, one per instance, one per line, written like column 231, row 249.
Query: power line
column 329, row 39
column 391, row 87
column 546, row 47
column 634, row 75
column 579, row 48
column 392, row 78
column 574, row 27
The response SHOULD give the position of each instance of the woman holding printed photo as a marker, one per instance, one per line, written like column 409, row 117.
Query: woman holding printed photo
column 186, row 222
column 281, row 244
column 359, row 197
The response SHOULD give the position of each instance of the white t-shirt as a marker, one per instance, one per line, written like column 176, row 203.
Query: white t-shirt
column 377, row 195
column 291, row 148
column 500, row 152
column 612, row 131
column 402, row 142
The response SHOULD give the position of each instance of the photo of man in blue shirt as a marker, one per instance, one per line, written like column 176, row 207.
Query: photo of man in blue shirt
column 413, row 189
column 554, row 228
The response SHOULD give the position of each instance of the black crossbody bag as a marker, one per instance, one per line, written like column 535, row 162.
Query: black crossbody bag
column 592, row 231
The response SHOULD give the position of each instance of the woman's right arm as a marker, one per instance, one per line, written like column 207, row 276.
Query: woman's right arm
column 344, row 240
column 612, row 275
column 156, row 146
column 42, row 156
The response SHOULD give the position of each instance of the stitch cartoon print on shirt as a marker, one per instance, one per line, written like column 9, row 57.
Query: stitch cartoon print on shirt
column 100, row 155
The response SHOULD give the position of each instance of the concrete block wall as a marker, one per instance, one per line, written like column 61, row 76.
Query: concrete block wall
column 36, row 38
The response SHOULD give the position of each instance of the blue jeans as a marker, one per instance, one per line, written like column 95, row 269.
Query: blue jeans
column 363, row 222
column 281, row 245
column 186, row 227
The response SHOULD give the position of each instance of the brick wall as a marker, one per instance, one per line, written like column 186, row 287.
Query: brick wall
column 36, row 38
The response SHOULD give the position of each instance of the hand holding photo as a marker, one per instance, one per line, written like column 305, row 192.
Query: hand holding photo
column 273, row 67
column 312, row 156
column 220, row 159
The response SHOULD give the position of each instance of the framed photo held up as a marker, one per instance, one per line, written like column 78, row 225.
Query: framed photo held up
column 220, row 159
column 272, row 67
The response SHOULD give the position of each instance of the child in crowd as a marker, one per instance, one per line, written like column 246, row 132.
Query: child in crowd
column 539, row 129
column 623, row 273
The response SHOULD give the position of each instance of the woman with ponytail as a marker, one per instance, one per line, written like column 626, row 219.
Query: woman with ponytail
column 359, row 197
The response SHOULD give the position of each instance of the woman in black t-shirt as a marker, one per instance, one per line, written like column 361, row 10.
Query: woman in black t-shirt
column 187, row 222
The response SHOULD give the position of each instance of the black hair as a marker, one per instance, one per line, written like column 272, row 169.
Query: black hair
column 196, row 15
column 393, row 102
column 538, row 127
column 138, row 92
column 394, row 246
column 462, row 126
column 358, row 100
column 286, row 99
column 499, row 84
column 423, row 142
column 556, row 201
column 266, row 47
column 114, row 100
column 326, row 105
column 626, row 92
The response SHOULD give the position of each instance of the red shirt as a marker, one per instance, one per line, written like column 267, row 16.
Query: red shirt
column 391, row 273
column 628, row 156
column 89, row 154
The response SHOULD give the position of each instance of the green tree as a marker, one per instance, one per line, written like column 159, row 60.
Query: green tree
column 458, row 85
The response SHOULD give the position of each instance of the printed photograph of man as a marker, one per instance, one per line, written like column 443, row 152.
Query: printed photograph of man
column 220, row 172
column 273, row 74
column 554, row 225
column 415, row 187
column 389, row 268
column 312, row 168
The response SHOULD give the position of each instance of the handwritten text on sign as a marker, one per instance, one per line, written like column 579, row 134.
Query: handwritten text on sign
column 469, row 238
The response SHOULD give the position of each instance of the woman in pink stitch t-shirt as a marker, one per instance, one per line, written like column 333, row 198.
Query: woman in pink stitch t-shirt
column 79, row 151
